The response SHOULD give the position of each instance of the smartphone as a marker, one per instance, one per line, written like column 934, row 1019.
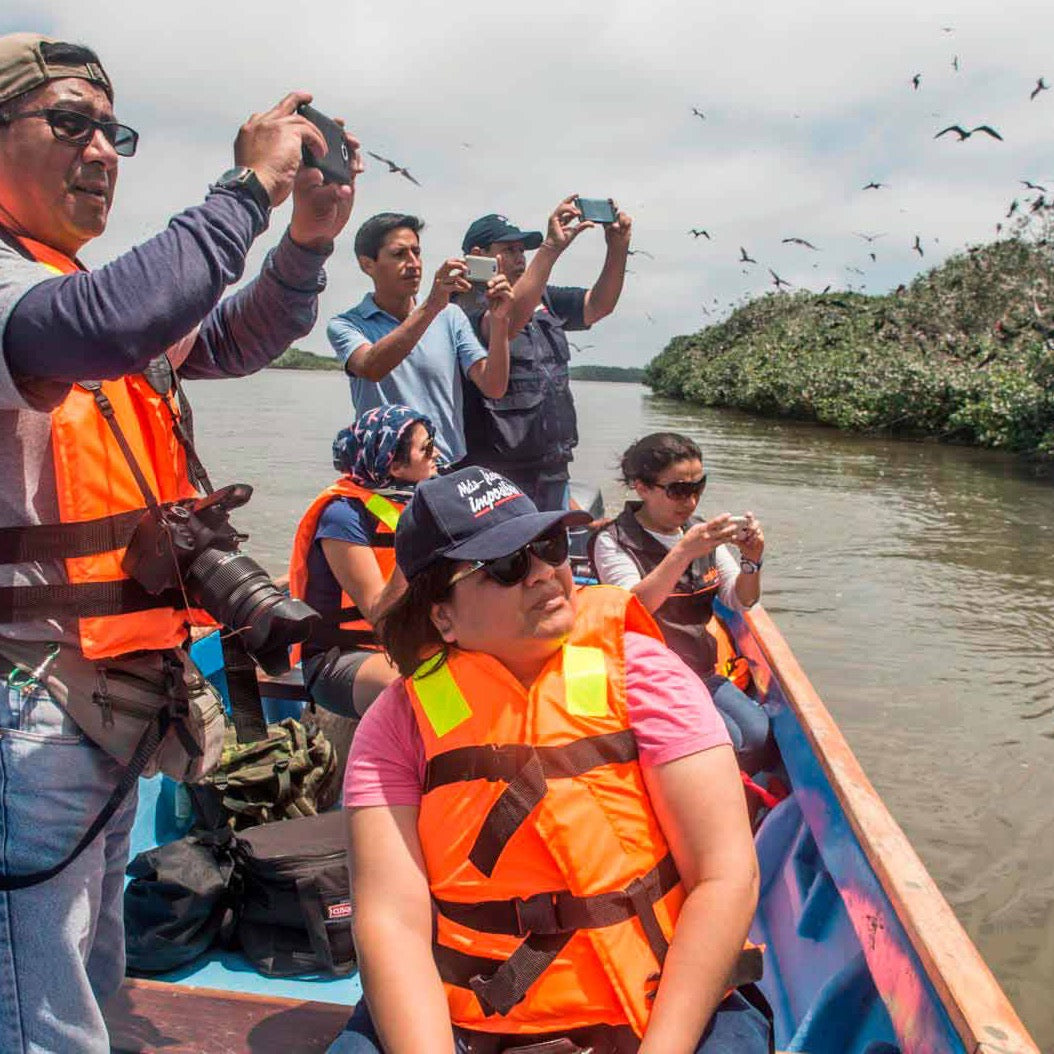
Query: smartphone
column 480, row 268
column 335, row 166
column 599, row 210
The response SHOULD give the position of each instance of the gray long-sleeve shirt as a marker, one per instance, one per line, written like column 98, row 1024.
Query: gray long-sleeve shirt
column 55, row 330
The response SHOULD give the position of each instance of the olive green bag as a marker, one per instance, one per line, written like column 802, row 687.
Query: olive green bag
column 291, row 773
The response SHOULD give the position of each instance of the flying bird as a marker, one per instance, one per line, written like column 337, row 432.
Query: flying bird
column 1041, row 85
column 955, row 63
column 1039, row 203
column 696, row 233
column 1032, row 186
column 583, row 347
column 870, row 238
column 962, row 133
column 639, row 252
column 744, row 258
column 918, row 246
column 947, row 29
column 800, row 241
column 855, row 270
column 1013, row 208
column 873, row 257
column 874, row 186
column 699, row 113
column 393, row 167
column 777, row 281
column 916, row 81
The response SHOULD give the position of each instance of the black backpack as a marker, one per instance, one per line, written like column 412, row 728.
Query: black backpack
column 295, row 905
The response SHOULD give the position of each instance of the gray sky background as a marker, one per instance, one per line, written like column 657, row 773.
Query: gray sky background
column 805, row 103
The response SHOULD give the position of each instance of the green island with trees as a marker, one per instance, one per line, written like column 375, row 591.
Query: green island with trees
column 297, row 359
column 965, row 353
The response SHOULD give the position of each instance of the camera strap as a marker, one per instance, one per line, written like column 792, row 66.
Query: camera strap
column 110, row 416
column 183, row 427
column 243, row 690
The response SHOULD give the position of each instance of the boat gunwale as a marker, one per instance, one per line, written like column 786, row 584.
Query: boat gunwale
column 974, row 1000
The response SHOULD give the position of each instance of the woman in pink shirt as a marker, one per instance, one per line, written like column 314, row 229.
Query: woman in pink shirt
column 488, row 574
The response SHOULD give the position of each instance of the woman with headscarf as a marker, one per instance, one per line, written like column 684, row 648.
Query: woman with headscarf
column 343, row 562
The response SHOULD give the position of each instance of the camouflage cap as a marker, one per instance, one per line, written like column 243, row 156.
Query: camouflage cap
column 28, row 60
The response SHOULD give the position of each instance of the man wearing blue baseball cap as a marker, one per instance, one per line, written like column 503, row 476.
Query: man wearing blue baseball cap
column 530, row 433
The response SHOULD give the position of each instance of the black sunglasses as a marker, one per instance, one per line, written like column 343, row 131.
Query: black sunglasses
column 72, row 126
column 688, row 488
column 512, row 569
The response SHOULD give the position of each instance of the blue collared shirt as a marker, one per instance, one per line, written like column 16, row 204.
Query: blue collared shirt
column 429, row 379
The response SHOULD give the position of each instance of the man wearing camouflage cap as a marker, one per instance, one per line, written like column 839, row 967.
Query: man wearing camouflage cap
column 128, row 325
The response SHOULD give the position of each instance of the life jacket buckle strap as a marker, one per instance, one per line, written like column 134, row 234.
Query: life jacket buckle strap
column 539, row 914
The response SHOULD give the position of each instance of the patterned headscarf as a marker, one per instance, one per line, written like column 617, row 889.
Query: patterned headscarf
column 366, row 450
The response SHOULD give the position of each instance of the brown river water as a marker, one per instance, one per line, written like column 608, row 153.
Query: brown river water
column 915, row 583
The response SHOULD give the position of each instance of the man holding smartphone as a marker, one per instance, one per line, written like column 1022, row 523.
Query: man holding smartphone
column 130, row 326
column 396, row 351
column 529, row 434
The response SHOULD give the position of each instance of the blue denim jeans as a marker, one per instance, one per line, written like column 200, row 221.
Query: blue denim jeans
column 736, row 1028
column 747, row 723
column 61, row 942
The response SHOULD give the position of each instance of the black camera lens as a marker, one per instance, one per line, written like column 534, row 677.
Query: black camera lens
column 235, row 589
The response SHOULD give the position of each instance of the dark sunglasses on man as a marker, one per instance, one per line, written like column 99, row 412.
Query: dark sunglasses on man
column 72, row 126
column 683, row 488
column 510, row 570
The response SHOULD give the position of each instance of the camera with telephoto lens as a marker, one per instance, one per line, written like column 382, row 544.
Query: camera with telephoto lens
column 191, row 545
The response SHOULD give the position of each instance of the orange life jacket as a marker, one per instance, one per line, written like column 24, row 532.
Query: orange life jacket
column 100, row 502
column 555, row 888
column 346, row 627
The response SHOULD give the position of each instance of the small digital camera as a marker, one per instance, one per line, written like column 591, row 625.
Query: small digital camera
column 480, row 268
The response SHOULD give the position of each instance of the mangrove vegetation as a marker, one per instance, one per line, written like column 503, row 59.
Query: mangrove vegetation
column 965, row 353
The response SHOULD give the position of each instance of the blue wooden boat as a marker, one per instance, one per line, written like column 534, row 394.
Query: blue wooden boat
column 863, row 954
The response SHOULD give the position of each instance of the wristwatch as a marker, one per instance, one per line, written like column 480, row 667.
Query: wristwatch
column 244, row 180
column 750, row 567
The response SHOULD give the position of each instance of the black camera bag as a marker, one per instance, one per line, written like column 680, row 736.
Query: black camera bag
column 295, row 910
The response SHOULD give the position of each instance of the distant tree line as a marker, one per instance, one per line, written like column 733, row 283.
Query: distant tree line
column 630, row 374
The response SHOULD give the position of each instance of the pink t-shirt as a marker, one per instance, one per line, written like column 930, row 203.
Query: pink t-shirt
column 670, row 711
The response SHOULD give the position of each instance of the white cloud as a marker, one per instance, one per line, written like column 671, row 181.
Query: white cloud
column 805, row 103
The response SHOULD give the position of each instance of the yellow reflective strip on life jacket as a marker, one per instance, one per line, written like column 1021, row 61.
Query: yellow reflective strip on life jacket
column 384, row 510
column 585, row 681
column 51, row 267
column 441, row 699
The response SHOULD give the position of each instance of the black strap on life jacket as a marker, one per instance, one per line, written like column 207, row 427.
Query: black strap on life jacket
column 525, row 769
column 546, row 921
column 82, row 600
column 54, row 541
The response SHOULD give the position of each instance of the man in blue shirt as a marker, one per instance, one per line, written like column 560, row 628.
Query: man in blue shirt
column 398, row 351
column 529, row 433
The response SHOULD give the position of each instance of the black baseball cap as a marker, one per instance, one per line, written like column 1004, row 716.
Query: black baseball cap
column 494, row 228
column 470, row 514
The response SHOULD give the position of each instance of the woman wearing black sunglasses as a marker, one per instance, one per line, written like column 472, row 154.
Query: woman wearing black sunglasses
column 677, row 563
column 343, row 564
column 549, row 845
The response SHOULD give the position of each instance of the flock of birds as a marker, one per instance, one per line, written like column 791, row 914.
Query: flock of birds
column 746, row 260
column 959, row 130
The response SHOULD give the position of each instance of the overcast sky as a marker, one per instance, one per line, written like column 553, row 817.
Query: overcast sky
column 499, row 107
